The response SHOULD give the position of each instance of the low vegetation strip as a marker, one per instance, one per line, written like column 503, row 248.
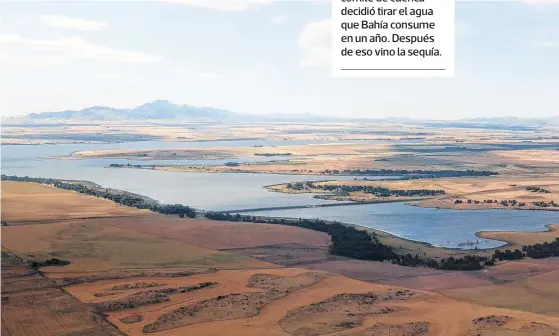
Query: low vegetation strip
column 374, row 190
column 49, row 262
column 340, row 312
column 137, row 285
column 235, row 305
column 415, row 173
column 404, row 329
column 512, row 203
column 147, row 297
column 123, row 274
column 537, row 189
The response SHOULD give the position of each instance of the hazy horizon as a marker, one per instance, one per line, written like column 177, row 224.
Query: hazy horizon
column 291, row 114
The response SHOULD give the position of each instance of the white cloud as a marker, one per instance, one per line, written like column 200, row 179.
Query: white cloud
column 188, row 73
column 279, row 19
column 61, row 21
column 22, row 50
column 226, row 5
column 546, row 44
column 315, row 44
column 541, row 2
column 108, row 76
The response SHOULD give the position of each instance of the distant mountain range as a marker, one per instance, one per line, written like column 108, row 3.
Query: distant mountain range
column 159, row 110
column 165, row 111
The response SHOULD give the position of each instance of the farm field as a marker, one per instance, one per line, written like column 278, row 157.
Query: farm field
column 224, row 235
column 330, row 146
column 298, row 302
column 97, row 245
column 29, row 202
column 156, row 274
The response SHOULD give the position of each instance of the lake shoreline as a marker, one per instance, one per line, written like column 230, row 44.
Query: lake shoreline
column 397, row 242
column 436, row 201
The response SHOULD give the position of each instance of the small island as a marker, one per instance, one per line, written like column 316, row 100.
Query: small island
column 505, row 192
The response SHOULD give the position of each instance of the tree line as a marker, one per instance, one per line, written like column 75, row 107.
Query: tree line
column 350, row 242
column 375, row 190
column 414, row 173
column 536, row 251
column 346, row 241
column 117, row 196
column 538, row 189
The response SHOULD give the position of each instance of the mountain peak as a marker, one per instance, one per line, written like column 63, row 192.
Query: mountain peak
column 158, row 104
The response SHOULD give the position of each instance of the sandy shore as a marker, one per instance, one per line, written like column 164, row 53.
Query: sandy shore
column 517, row 239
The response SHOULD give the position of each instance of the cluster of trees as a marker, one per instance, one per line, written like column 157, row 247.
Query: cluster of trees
column 232, row 164
column 417, row 173
column 128, row 165
column 466, row 263
column 503, row 202
column 415, row 261
column 117, row 196
column 311, row 224
column 545, row 250
column 358, row 244
column 346, row 241
column 507, row 255
column 377, row 191
column 380, row 191
column 537, row 189
column 512, row 203
column 546, row 205
column 536, row 251
column 48, row 262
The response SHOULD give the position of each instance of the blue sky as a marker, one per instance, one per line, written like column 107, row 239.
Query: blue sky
column 262, row 57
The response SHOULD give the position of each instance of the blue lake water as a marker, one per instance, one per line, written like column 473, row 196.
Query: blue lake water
column 439, row 227
column 226, row 191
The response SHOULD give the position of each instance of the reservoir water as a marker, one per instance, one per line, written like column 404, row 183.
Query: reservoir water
column 226, row 191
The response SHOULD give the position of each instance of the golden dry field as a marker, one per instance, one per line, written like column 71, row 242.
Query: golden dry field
column 160, row 275
column 30, row 202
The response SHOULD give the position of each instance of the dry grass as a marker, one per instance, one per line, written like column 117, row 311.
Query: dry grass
column 528, row 285
column 96, row 244
column 518, row 239
column 33, row 305
column 341, row 312
column 223, row 235
column 30, row 202
column 50, row 312
column 444, row 316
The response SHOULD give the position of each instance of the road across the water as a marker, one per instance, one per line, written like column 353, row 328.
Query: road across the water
column 289, row 207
